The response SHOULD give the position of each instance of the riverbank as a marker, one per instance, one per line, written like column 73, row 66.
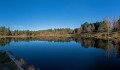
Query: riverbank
column 104, row 35
column 39, row 36
column 9, row 62
column 6, row 63
column 18, row 64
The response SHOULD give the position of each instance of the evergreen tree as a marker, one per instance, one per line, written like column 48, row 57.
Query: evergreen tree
column 93, row 27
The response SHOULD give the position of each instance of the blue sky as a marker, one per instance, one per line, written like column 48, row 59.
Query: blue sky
column 46, row 14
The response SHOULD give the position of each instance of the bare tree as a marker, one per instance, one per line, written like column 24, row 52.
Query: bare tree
column 108, row 23
column 115, row 25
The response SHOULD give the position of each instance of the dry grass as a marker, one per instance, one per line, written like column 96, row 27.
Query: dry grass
column 52, row 35
column 103, row 35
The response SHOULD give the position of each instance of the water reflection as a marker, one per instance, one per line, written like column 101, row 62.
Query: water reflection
column 107, row 45
column 6, row 41
column 37, row 53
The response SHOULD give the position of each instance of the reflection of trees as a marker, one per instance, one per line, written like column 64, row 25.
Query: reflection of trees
column 108, row 50
column 6, row 41
column 106, row 45
column 116, row 47
column 85, row 42
column 61, row 39
column 56, row 39
column 97, row 43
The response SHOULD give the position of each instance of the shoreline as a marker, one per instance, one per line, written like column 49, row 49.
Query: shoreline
column 6, row 61
column 104, row 35
column 66, row 35
column 16, row 62
column 113, row 35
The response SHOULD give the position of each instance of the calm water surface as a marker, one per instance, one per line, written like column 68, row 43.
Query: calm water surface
column 65, row 53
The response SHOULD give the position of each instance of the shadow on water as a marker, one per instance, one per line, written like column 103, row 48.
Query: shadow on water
column 111, row 50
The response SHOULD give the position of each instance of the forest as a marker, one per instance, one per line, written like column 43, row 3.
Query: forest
column 7, row 32
column 103, row 26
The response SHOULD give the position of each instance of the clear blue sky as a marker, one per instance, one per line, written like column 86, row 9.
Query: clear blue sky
column 45, row 14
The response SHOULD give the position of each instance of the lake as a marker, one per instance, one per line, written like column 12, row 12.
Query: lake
column 65, row 53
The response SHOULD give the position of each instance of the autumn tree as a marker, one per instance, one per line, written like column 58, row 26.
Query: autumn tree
column 102, row 27
column 89, row 29
column 78, row 30
column 108, row 23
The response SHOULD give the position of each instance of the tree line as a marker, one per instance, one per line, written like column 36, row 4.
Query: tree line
column 7, row 32
column 103, row 26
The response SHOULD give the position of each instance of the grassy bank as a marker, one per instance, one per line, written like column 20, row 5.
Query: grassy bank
column 52, row 35
column 103, row 35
